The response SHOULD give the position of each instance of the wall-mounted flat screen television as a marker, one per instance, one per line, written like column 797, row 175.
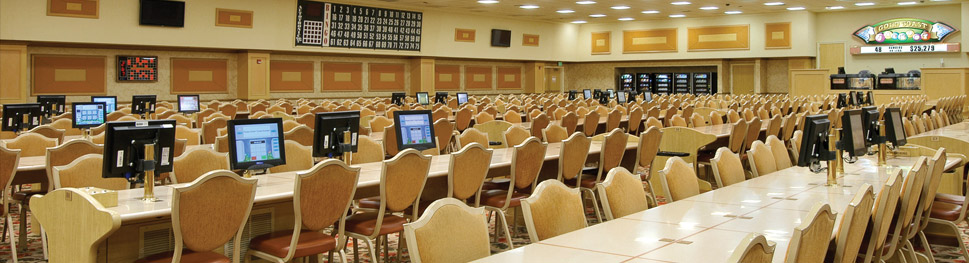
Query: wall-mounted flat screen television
column 500, row 38
column 162, row 13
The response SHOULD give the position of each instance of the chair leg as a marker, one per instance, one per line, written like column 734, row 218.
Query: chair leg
column 3, row 237
column 595, row 203
column 386, row 249
column 400, row 245
column 928, row 250
column 356, row 250
column 373, row 251
column 13, row 242
column 43, row 241
column 504, row 225
column 343, row 256
column 23, row 225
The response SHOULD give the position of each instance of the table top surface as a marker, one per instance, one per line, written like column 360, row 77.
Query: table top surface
column 712, row 223
column 958, row 131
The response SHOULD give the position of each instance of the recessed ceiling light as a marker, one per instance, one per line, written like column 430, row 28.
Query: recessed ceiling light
column 774, row 3
column 678, row 15
column 907, row 3
column 579, row 22
column 680, row 3
column 565, row 11
column 651, row 12
column 733, row 12
column 941, row 0
column 487, row 1
column 796, row 8
column 620, row 7
column 834, row 7
column 528, row 6
column 626, row 19
column 597, row 15
column 585, row 2
column 709, row 8
column 865, row 4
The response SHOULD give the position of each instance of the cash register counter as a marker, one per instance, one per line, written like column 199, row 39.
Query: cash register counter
column 936, row 83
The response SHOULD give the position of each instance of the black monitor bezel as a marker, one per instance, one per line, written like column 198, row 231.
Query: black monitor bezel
column 320, row 125
column 198, row 104
column 621, row 97
column 872, row 129
column 8, row 109
column 230, row 133
column 892, row 131
column 151, row 99
column 587, row 94
column 419, row 147
column 427, row 98
column 46, row 100
column 110, row 152
column 397, row 98
column 114, row 98
column 458, row 95
column 848, row 130
column 814, row 123
column 440, row 97
column 74, row 114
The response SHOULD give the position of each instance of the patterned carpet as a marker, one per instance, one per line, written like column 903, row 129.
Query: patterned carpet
column 34, row 253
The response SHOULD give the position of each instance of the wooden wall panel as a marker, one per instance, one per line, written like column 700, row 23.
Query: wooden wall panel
column 529, row 40
column 386, row 77
column 477, row 78
column 13, row 73
column 447, row 77
column 509, row 78
column 191, row 75
column 778, row 35
column 463, row 35
column 601, row 42
column 73, row 75
column 233, row 18
column 342, row 76
column 718, row 38
column 653, row 40
column 73, row 8
column 290, row 76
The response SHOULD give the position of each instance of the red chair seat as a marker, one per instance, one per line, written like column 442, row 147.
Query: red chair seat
column 950, row 198
column 309, row 243
column 945, row 211
column 496, row 184
column 369, row 202
column 366, row 223
column 496, row 198
column 187, row 257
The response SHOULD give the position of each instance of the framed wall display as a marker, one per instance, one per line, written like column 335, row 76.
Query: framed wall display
column 137, row 68
column 736, row 37
column 197, row 75
column 68, row 74
column 291, row 76
column 463, row 35
column 73, row 8
column 601, row 43
column 233, row 18
column 777, row 35
column 529, row 40
column 324, row 24
column 652, row 40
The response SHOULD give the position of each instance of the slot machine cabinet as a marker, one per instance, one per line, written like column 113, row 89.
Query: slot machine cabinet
column 681, row 83
column 662, row 83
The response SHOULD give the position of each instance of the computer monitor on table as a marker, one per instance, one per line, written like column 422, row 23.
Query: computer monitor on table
column 894, row 131
column 328, row 140
column 621, row 97
column 110, row 102
column 188, row 103
column 422, row 98
column 462, row 98
column 573, row 94
column 440, row 97
column 612, row 93
column 51, row 104
column 19, row 117
column 124, row 148
column 853, row 134
column 647, row 97
column 586, row 94
column 814, row 145
column 88, row 114
column 842, row 100
column 397, row 98
column 631, row 96
column 415, row 130
column 256, row 143
column 871, row 99
column 143, row 104
column 596, row 93
column 870, row 117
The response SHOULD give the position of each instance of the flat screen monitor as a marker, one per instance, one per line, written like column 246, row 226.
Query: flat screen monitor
column 853, row 133
column 621, row 97
column 647, row 97
column 88, row 114
column 51, row 104
column 814, row 146
column 23, row 116
column 142, row 104
column 422, row 98
column 328, row 138
column 415, row 130
column 612, row 93
column 256, row 143
column 586, row 94
column 440, row 97
column 162, row 13
column 110, row 102
column 842, row 100
column 871, row 99
column 500, row 38
column 124, row 148
column 573, row 94
column 462, row 98
column 596, row 94
column 894, row 131
column 869, row 116
column 188, row 103
column 397, row 98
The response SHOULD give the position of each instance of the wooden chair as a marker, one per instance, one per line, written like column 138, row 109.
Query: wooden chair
column 321, row 199
column 782, row 158
column 697, row 120
column 368, row 151
column 679, row 180
column 811, row 238
column 444, row 131
column 190, row 136
column 553, row 209
column 653, row 122
column 463, row 118
column 66, row 126
column 754, row 248
column 483, row 117
column 30, row 144
column 554, row 133
column 298, row 158
column 645, row 154
column 944, row 214
column 85, row 171
column 727, row 167
column 559, row 113
column 795, row 145
column 472, row 135
column 9, row 159
column 402, row 180
column 570, row 121
column 467, row 170
column 622, row 194
column 515, row 135
column 199, row 231
column 114, row 115
column 289, row 125
column 526, row 162
column 877, row 247
column 301, row 134
column 308, row 119
column 733, row 116
column 753, row 133
column 716, row 118
column 590, row 124
column 75, row 238
column 216, row 116
column 49, row 132
column 430, row 238
column 612, row 149
column 613, row 119
column 670, row 112
column 228, row 110
column 851, row 231
column 196, row 162
column 538, row 124
column 678, row 121
column 380, row 123
column 681, row 140
column 774, row 125
column 572, row 156
column 495, row 131
column 512, row 117
column 210, row 129
column 222, row 144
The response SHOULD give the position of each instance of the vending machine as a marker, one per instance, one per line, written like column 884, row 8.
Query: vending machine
column 627, row 81
column 662, row 83
column 704, row 83
column 644, row 83
column 681, row 83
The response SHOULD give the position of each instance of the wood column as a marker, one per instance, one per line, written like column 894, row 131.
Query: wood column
column 534, row 77
column 253, row 75
column 13, row 73
column 421, row 76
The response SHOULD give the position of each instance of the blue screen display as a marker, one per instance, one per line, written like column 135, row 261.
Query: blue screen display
column 109, row 102
column 257, row 142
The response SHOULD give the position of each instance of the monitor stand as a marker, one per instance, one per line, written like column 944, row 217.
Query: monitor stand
column 882, row 147
column 86, row 134
column 149, row 174
column 250, row 171
column 833, row 165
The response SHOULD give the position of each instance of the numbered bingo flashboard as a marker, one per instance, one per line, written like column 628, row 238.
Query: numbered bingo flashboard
column 137, row 68
column 324, row 24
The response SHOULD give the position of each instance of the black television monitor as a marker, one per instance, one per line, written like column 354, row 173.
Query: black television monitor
column 647, row 97
column 88, row 114
column 858, row 98
column 612, row 93
column 894, row 131
column 124, row 148
column 188, row 103
column 814, row 145
column 422, row 98
column 853, row 133
column 842, row 100
column 573, row 94
column 500, row 38
column 143, row 104
column 631, row 95
column 110, row 102
column 440, row 97
column 328, row 138
column 870, row 99
column 22, row 116
column 415, row 129
column 397, row 98
column 51, row 104
column 621, row 97
column 596, row 94
column 162, row 13
column 462, row 98
column 869, row 116
column 256, row 143
column 586, row 94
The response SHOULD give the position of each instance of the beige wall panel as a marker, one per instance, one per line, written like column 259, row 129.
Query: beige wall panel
column 831, row 56
column 743, row 79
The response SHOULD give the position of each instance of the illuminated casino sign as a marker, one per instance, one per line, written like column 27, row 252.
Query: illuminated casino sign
column 904, row 31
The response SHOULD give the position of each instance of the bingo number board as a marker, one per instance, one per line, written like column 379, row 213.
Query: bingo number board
column 337, row 25
column 137, row 68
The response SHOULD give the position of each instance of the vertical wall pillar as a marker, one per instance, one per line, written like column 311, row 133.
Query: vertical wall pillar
column 13, row 73
column 534, row 78
column 421, row 75
column 253, row 75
